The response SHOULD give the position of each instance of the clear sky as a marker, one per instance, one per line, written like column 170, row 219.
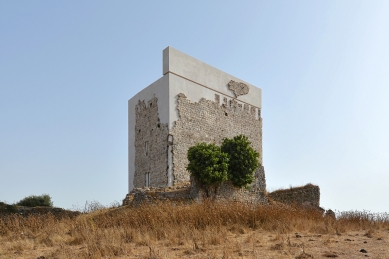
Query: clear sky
column 67, row 69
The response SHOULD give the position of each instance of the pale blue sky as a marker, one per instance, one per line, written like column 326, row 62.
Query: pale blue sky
column 68, row 68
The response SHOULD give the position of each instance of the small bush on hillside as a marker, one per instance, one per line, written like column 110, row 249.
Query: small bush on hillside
column 208, row 164
column 243, row 160
column 7, row 207
column 92, row 206
column 33, row 201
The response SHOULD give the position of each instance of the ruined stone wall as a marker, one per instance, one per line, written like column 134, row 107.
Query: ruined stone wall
column 227, row 192
column 308, row 195
column 154, row 160
column 153, row 194
column 211, row 121
column 192, row 191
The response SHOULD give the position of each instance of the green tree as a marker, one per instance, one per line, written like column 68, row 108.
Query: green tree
column 243, row 160
column 34, row 200
column 208, row 164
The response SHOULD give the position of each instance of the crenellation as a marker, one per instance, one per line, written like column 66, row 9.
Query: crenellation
column 225, row 101
column 217, row 98
column 252, row 110
column 246, row 107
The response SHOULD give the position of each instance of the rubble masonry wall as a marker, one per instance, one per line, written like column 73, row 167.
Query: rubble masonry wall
column 211, row 121
column 304, row 195
column 154, row 160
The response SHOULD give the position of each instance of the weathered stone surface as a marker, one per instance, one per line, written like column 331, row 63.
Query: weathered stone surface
column 208, row 121
column 308, row 195
column 174, row 193
column 238, row 88
column 153, row 136
column 192, row 191
column 227, row 192
column 205, row 121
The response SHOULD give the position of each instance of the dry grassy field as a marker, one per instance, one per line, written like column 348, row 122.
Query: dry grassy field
column 207, row 230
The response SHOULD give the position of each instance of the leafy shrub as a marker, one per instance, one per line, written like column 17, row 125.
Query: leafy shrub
column 33, row 201
column 208, row 164
column 7, row 207
column 243, row 160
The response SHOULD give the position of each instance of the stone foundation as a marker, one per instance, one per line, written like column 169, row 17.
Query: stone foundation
column 227, row 192
column 152, row 194
column 192, row 191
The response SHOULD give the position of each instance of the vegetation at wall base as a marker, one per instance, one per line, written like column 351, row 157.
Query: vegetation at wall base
column 207, row 164
column 235, row 160
column 36, row 200
column 243, row 160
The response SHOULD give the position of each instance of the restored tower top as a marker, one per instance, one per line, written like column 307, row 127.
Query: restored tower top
column 191, row 69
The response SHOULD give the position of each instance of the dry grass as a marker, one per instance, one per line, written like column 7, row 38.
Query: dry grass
column 207, row 230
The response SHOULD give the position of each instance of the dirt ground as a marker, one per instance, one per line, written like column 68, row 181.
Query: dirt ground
column 254, row 244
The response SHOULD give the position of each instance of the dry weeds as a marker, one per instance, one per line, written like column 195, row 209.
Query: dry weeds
column 207, row 230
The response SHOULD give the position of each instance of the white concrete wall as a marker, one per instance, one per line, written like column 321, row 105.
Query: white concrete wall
column 160, row 89
column 205, row 76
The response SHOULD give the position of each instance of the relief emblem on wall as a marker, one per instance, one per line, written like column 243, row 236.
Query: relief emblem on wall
column 238, row 88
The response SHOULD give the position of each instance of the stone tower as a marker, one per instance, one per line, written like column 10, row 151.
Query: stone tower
column 192, row 102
